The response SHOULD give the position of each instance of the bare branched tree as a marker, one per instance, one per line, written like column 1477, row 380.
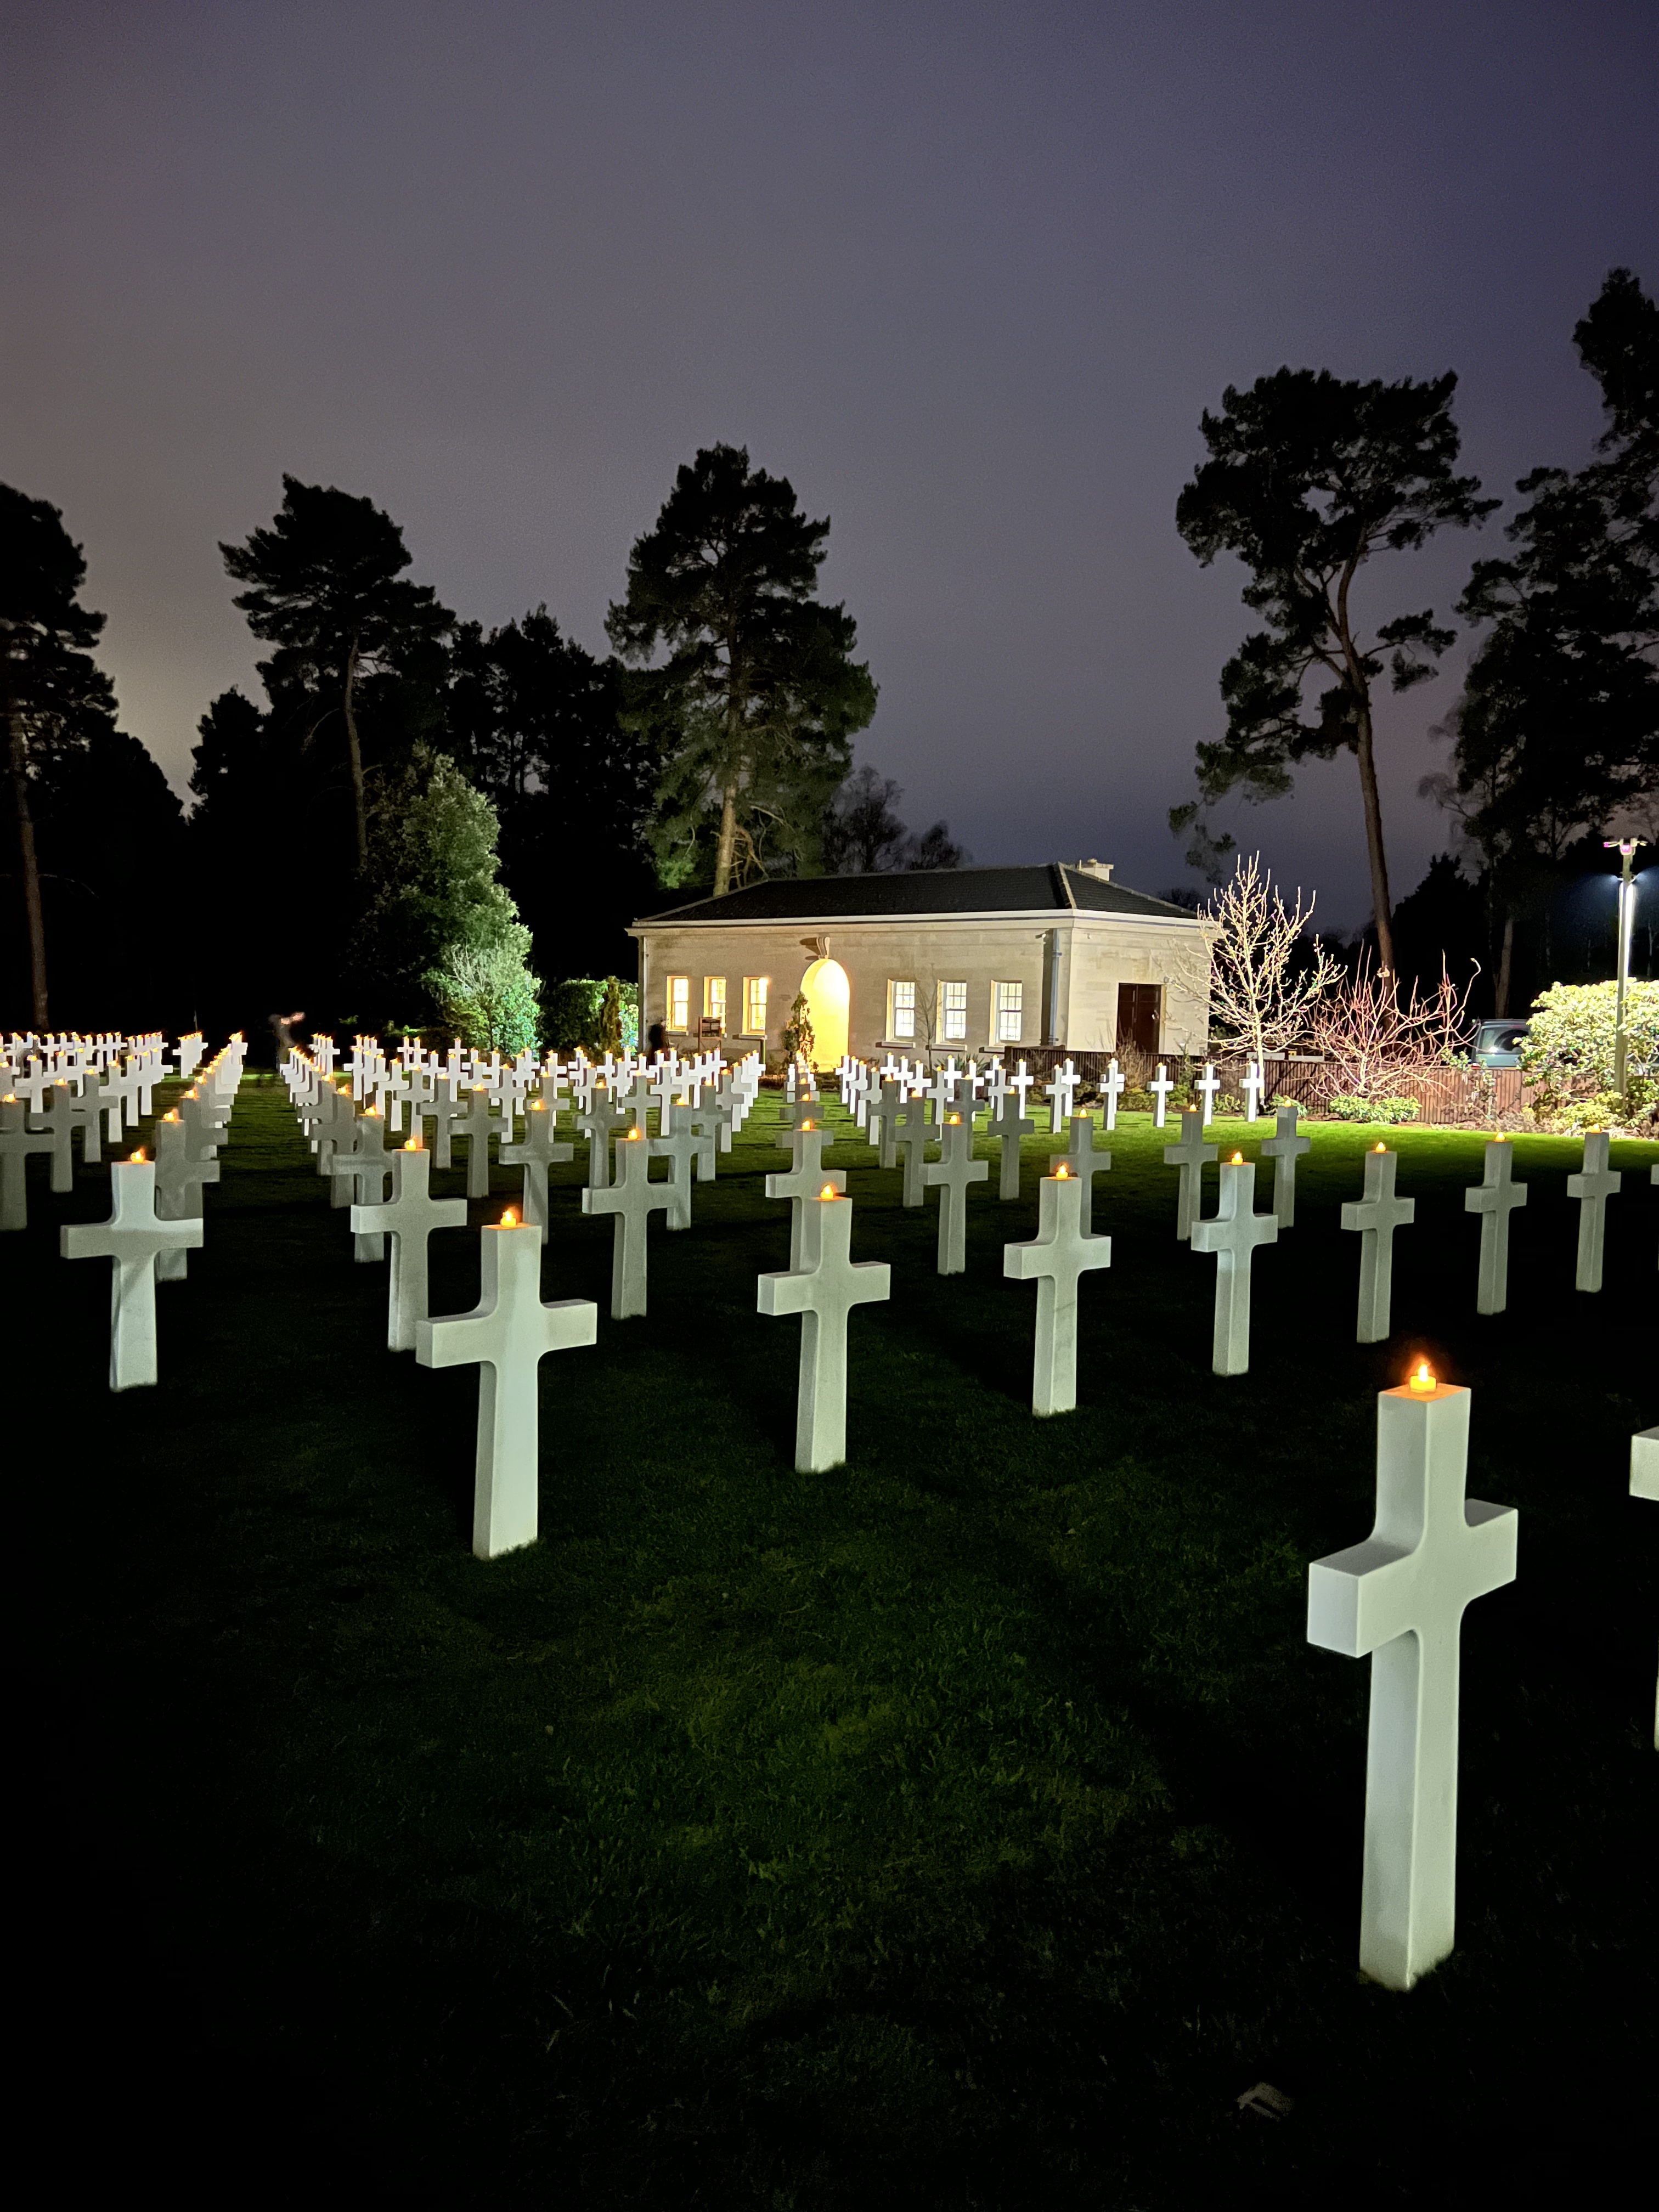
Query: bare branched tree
column 1373, row 1041
column 1261, row 991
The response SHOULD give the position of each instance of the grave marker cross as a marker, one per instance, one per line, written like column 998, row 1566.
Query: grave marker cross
column 911, row 1132
column 1083, row 1161
column 409, row 1217
column 1160, row 1088
column 1400, row 1596
column 1189, row 1155
column 1008, row 1125
column 1593, row 1188
column 807, row 1180
column 507, row 1334
column 131, row 1237
column 1233, row 1234
column 17, row 1141
column 535, row 1151
column 1055, row 1259
column 633, row 1198
column 1494, row 1198
column 951, row 1174
column 1377, row 1216
column 1284, row 1148
column 824, row 1292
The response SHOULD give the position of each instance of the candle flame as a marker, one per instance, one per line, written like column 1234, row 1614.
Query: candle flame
column 1062, row 1172
column 1422, row 1381
column 137, row 1156
column 509, row 1219
column 413, row 1146
column 809, row 1123
column 828, row 1191
column 1379, row 1147
column 1237, row 1160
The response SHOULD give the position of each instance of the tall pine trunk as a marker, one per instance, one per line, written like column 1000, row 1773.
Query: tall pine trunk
column 727, row 846
column 358, row 794
column 1505, row 965
column 19, row 754
column 1382, row 905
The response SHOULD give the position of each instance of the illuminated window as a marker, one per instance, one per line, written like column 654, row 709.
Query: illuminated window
column 679, row 1002
column 901, row 1010
column 713, row 999
column 1010, row 1002
column 754, row 1005
column 952, row 1011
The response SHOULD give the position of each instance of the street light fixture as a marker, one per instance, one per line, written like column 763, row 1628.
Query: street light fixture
column 1624, row 846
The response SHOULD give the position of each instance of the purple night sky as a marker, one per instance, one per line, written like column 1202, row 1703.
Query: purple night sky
column 966, row 275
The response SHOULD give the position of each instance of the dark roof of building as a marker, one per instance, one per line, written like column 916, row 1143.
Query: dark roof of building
column 1056, row 886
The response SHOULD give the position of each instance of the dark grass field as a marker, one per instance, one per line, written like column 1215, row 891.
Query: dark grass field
column 966, row 1827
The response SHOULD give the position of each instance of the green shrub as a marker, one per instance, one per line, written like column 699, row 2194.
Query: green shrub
column 1568, row 1049
column 1372, row 1109
column 487, row 996
column 1605, row 1110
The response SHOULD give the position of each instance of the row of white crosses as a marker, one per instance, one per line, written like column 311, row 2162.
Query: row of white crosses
column 155, row 1217
column 53, row 1088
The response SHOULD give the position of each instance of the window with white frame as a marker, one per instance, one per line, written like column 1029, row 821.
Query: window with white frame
column 679, row 1002
column 1010, row 1004
column 754, row 1005
column 952, row 1013
column 901, row 1010
column 713, row 999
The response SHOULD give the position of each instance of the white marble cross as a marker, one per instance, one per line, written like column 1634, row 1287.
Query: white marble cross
column 1494, row 1198
column 179, row 1183
column 1058, row 1255
column 1111, row 1090
column 1008, row 1126
column 883, row 1114
column 807, row 1179
column 1208, row 1084
column 597, row 1124
column 507, row 1334
column 60, row 1120
column 1160, row 1087
column 131, row 1237
column 409, row 1217
column 359, row 1171
column 1401, row 1597
column 1189, row 1155
column 951, row 1174
column 713, row 1125
column 1233, row 1233
column 912, row 1129
column 679, row 1146
column 17, row 1141
column 535, row 1151
column 1253, row 1086
column 823, row 1290
column 1060, row 1093
column 1084, row 1160
column 633, row 1198
column 1019, row 1082
column 1593, row 1188
column 1377, row 1216
column 478, row 1124
column 1284, row 1148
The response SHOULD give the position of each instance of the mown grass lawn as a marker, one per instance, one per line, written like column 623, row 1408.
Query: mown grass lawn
column 968, row 1827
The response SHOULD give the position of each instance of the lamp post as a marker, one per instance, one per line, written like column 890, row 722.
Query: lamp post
column 1624, row 846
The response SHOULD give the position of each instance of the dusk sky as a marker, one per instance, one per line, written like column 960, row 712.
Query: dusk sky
column 966, row 274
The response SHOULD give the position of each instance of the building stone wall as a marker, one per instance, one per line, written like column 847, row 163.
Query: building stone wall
column 1096, row 953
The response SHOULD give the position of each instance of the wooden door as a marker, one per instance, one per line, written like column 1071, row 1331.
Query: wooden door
column 1139, row 1016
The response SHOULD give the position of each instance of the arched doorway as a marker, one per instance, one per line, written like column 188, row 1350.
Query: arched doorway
column 828, row 998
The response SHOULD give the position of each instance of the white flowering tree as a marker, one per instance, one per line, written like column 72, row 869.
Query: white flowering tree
column 1264, row 981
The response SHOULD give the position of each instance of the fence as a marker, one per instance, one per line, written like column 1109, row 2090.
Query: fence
column 1448, row 1098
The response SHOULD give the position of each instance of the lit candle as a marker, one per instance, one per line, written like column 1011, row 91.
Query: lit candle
column 1062, row 1172
column 1237, row 1160
column 509, row 1219
column 828, row 1191
column 1421, row 1380
column 1379, row 1147
column 137, row 1156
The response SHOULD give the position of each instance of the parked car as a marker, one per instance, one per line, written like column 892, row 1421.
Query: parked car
column 1498, row 1043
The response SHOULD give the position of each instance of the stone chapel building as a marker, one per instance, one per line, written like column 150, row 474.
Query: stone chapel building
column 962, row 961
